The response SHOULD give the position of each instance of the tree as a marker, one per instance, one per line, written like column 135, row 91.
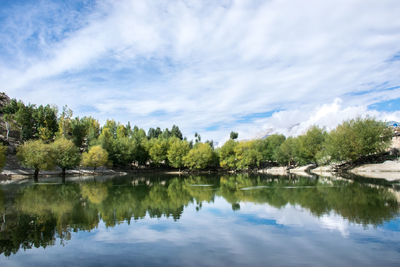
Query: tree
column 79, row 129
column 45, row 122
column 123, row 151
column 286, row 154
column 177, row 150
column 154, row 133
column 356, row 138
column 66, row 154
column 227, row 154
column 3, row 150
column 247, row 155
column 234, row 135
column 96, row 157
column 310, row 145
column 24, row 117
column 176, row 132
column 37, row 155
column 64, row 122
column 158, row 148
column 269, row 147
column 200, row 157
column 197, row 138
column 93, row 129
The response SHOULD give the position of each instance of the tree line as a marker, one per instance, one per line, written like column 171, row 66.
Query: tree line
column 65, row 141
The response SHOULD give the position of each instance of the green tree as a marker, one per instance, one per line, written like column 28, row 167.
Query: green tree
column 247, row 155
column 95, row 157
column 286, row 154
column 176, row 132
column 356, row 138
column 158, row 149
column 311, row 145
column 66, row 154
column 269, row 147
column 123, row 151
column 79, row 129
column 64, row 122
column 200, row 157
column 177, row 150
column 234, row 135
column 24, row 117
column 154, row 133
column 93, row 130
column 37, row 155
column 227, row 154
column 46, row 125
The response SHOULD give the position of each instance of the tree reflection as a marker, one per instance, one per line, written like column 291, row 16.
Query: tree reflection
column 39, row 214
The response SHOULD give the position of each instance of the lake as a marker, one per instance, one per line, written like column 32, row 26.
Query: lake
column 207, row 220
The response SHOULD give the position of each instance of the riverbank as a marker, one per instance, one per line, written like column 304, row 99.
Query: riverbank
column 20, row 174
column 388, row 170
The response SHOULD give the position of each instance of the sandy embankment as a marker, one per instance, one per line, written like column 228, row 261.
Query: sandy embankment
column 275, row 171
column 389, row 170
column 303, row 170
column 326, row 171
column 23, row 173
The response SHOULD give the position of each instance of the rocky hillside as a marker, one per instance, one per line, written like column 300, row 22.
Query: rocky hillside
column 8, row 135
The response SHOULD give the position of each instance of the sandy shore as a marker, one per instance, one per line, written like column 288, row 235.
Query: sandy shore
column 389, row 170
column 26, row 174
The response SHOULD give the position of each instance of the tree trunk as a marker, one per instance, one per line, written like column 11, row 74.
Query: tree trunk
column 36, row 175
column 63, row 175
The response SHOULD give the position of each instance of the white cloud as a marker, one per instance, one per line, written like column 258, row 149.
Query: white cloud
column 205, row 63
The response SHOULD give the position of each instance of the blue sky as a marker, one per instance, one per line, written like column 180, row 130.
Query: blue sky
column 208, row 66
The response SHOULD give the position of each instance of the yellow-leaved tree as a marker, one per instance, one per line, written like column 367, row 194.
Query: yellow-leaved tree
column 95, row 157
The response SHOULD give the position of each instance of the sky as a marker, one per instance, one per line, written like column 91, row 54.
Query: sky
column 255, row 67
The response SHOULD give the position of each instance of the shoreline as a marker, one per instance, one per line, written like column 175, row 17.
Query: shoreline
column 388, row 170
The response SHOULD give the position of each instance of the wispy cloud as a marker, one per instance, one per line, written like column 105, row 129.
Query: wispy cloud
column 204, row 63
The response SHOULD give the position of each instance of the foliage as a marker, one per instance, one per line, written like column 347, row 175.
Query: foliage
column 269, row 146
column 126, row 145
column 310, row 145
column 95, row 157
column 24, row 117
column 37, row 155
column 234, row 135
column 227, row 154
column 45, row 122
column 66, row 154
column 158, row 148
column 247, row 155
column 287, row 151
column 177, row 150
column 154, row 133
column 356, row 138
column 175, row 132
column 33, row 122
column 200, row 157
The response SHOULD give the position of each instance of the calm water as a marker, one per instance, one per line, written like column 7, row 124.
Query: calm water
column 199, row 221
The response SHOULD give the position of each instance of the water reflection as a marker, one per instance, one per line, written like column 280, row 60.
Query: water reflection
column 38, row 215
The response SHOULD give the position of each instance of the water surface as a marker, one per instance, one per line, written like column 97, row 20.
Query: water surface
column 231, row 220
